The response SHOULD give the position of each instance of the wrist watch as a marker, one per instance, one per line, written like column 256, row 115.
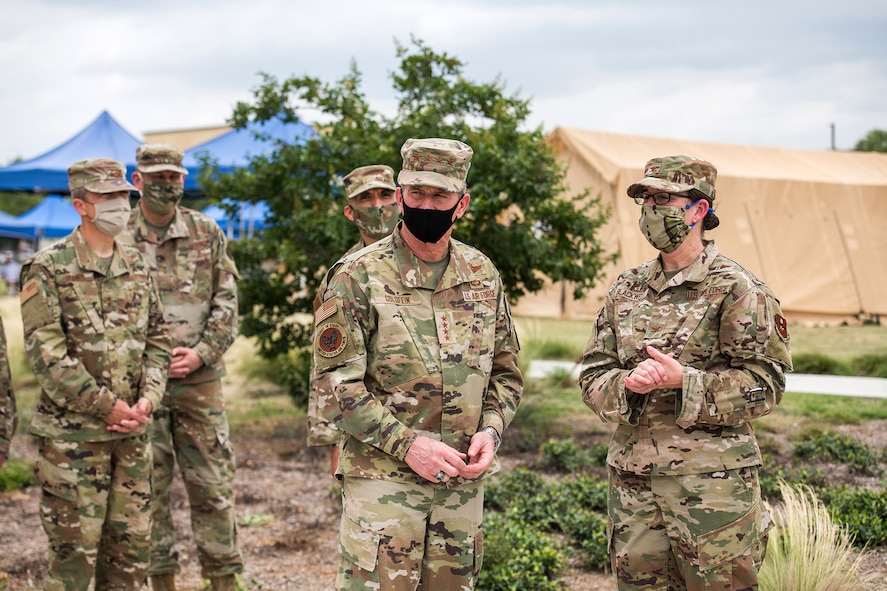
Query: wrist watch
column 497, row 440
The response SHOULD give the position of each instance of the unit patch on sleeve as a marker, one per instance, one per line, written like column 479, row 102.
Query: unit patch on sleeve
column 330, row 340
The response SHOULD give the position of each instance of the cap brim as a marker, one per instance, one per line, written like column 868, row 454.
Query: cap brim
column 643, row 186
column 430, row 179
column 162, row 167
column 371, row 185
column 109, row 186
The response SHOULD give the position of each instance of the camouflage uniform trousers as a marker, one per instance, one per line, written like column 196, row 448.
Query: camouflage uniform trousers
column 398, row 536
column 689, row 532
column 95, row 509
column 191, row 428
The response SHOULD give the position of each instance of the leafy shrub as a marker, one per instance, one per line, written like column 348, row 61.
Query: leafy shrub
column 828, row 446
column 817, row 363
column 517, row 555
column 16, row 475
column 772, row 473
column 873, row 366
column 566, row 456
column 862, row 511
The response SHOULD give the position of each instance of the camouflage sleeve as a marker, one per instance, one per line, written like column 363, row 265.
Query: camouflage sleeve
column 157, row 352
column 221, row 327
column 506, row 382
column 8, row 415
column 602, row 378
column 63, row 378
column 754, row 337
column 341, row 392
column 321, row 431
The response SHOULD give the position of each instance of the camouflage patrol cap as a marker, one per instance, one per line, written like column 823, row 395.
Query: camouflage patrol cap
column 374, row 176
column 158, row 157
column 435, row 162
column 677, row 174
column 98, row 175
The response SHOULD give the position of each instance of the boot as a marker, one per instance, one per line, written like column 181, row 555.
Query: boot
column 224, row 583
column 164, row 582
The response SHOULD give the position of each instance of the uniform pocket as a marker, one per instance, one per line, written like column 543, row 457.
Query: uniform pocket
column 359, row 546
column 55, row 481
column 729, row 542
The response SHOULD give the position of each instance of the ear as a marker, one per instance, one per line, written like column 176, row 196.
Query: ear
column 79, row 207
column 398, row 198
column 137, row 180
column 349, row 213
column 702, row 208
column 463, row 205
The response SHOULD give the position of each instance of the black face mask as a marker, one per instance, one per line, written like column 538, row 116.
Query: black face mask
column 428, row 225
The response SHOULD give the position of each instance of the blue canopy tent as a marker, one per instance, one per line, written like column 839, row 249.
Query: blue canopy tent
column 248, row 219
column 9, row 228
column 48, row 173
column 54, row 217
column 236, row 148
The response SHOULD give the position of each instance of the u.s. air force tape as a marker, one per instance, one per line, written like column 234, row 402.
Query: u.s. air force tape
column 330, row 340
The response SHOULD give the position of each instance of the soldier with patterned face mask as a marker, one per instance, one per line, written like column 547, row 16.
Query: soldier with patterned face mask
column 687, row 349
column 96, row 341
column 373, row 209
column 188, row 254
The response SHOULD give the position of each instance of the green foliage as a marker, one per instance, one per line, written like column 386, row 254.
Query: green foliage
column 772, row 474
column 519, row 556
column 817, row 363
column 574, row 506
column 874, row 141
column 826, row 445
column 565, row 456
column 518, row 214
column 872, row 365
column 16, row 475
column 18, row 203
column 863, row 512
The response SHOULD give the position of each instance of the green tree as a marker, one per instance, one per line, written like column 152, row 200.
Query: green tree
column 519, row 215
column 874, row 141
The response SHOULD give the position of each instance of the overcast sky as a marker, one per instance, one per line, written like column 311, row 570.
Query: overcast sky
column 759, row 72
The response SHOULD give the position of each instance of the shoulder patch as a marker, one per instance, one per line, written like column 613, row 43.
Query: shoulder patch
column 28, row 291
column 330, row 340
column 781, row 327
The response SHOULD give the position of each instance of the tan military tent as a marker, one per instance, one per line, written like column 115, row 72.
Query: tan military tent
column 812, row 224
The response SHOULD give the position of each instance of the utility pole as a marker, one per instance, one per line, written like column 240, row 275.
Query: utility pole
column 832, row 125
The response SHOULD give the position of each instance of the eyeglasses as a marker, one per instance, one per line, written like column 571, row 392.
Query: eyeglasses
column 658, row 198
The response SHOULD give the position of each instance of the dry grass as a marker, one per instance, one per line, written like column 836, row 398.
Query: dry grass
column 807, row 550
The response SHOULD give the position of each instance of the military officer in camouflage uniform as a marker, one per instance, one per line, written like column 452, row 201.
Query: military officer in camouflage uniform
column 371, row 206
column 96, row 342
column 416, row 358
column 8, row 416
column 687, row 349
column 188, row 255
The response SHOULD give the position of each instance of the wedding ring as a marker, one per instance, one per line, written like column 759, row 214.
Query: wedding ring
column 440, row 475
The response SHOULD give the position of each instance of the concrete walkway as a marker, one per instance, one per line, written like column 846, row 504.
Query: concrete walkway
column 794, row 382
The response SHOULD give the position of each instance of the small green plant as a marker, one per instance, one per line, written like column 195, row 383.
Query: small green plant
column 863, row 512
column 518, row 555
column 807, row 550
column 255, row 520
column 564, row 455
column 16, row 475
column 825, row 445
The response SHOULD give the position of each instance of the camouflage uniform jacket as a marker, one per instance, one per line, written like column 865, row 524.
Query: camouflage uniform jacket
column 197, row 282
column 727, row 330
column 398, row 357
column 322, row 431
column 8, row 416
column 91, row 336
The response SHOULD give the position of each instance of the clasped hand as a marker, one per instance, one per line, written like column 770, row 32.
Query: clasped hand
column 659, row 371
column 428, row 458
column 124, row 418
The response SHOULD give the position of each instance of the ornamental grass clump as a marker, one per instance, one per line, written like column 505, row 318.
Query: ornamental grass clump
column 807, row 550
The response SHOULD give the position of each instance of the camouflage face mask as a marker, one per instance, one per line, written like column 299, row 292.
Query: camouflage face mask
column 375, row 222
column 663, row 226
column 161, row 197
